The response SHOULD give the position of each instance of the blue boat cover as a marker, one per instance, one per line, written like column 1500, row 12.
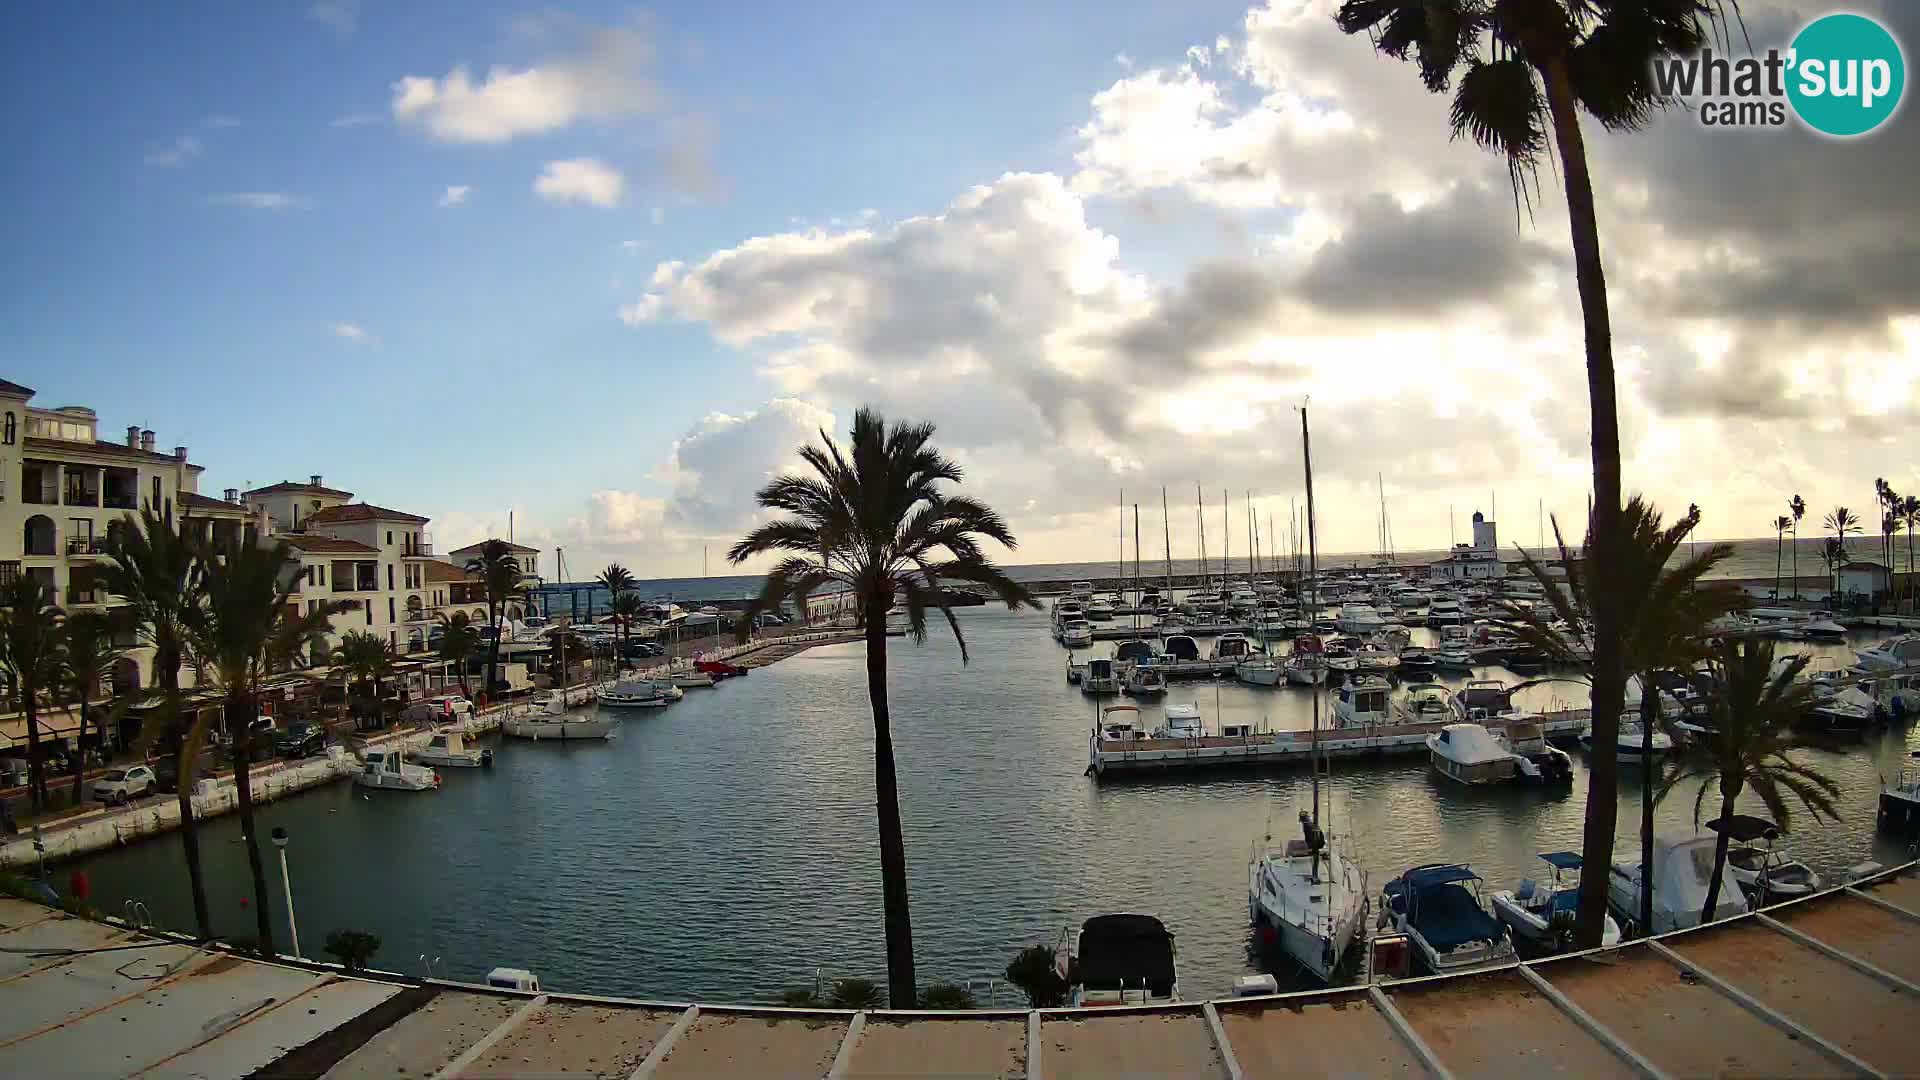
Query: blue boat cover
column 1562, row 860
column 1566, row 902
column 1448, row 916
column 1421, row 878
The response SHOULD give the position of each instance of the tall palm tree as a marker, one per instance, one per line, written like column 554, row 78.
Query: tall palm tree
column 616, row 579
column 153, row 566
column 364, row 656
column 457, row 642
column 1749, row 744
column 1525, row 72
column 626, row 608
column 618, row 582
column 875, row 519
column 87, row 657
column 1780, row 526
column 1668, row 621
column 1889, row 501
column 1798, row 507
column 499, row 575
column 1843, row 523
column 1910, row 517
column 30, row 655
column 244, row 627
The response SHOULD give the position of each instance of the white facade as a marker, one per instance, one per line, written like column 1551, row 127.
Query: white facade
column 528, row 558
column 368, row 555
column 1479, row 561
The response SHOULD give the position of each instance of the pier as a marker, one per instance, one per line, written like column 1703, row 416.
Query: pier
column 1821, row 986
column 1291, row 747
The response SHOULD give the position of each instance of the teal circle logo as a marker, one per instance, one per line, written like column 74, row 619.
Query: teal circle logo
column 1846, row 75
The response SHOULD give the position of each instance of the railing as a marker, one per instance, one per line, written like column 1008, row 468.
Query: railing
column 83, row 498
column 423, row 549
column 86, row 545
column 121, row 502
column 86, row 596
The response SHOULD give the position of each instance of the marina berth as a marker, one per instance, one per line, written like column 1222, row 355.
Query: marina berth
column 1440, row 908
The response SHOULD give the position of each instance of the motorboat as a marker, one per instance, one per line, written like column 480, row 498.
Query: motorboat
column 1310, row 899
column 1443, row 612
column 690, row 680
column 721, row 669
column 1539, row 761
column 1100, row 677
column 1100, row 608
column 390, row 769
column 1455, row 651
column 448, row 748
column 1234, row 647
column 1306, row 668
column 1439, row 907
column 1338, row 655
column 1261, row 671
column 633, row 692
column 1898, row 695
column 1081, row 590
column 1630, row 745
column 1890, row 655
column 1076, row 634
column 1851, row 709
column 1118, row 724
column 1182, row 722
column 1900, row 797
column 1375, row 658
column 1359, row 619
column 1470, row 754
column 1766, row 875
column 1542, row 916
column 555, row 721
column 1361, row 701
column 1682, row 870
column 1416, row 662
column 1145, row 680
column 1243, row 599
column 1128, row 654
column 1483, row 699
column 1180, row 648
column 1429, row 705
column 1065, row 611
column 1205, row 601
column 1121, row 959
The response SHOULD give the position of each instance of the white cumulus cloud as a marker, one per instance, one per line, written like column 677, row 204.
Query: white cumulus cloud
column 354, row 333
column 580, row 180
column 260, row 200
column 455, row 195
column 605, row 78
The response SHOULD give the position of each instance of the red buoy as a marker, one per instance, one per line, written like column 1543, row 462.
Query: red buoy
column 78, row 886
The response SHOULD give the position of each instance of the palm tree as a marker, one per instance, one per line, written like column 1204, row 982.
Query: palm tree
column 1910, row 517
column 1748, row 745
column 1780, row 526
column 618, row 582
column 244, row 627
column 1798, row 506
column 1843, row 523
column 364, row 656
column 154, row 567
column 458, row 641
column 499, row 575
column 1668, row 622
column 87, row 655
column 874, row 519
column 30, row 641
column 626, row 608
column 616, row 579
column 1527, row 69
column 1889, row 501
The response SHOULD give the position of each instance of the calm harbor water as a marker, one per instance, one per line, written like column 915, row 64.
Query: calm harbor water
column 724, row 848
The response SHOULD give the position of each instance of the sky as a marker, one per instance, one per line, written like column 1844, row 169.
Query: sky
column 605, row 268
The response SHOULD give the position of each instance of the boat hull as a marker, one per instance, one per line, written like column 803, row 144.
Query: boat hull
column 559, row 730
column 1899, row 810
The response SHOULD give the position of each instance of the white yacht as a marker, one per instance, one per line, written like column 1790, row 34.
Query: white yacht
column 1439, row 907
column 553, row 720
column 1261, row 671
column 1455, row 651
column 1359, row 619
column 1076, row 634
column 1234, row 647
column 1100, row 609
column 1429, row 704
column 1900, row 796
column 1443, row 611
column 1543, row 915
column 1182, row 722
column 634, row 692
column 1120, row 959
column 1362, row 702
column 1100, row 677
column 1539, row 761
column 1243, row 599
column 1145, row 680
column 390, row 769
column 1313, row 899
column 1766, row 875
column 694, row 678
column 1682, row 870
column 448, row 749
column 1630, row 746
column 1890, row 655
column 1483, row 699
column 1082, row 591
column 1305, row 664
column 1470, row 754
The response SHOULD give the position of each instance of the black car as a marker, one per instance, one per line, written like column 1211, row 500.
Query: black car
column 300, row 740
column 166, row 773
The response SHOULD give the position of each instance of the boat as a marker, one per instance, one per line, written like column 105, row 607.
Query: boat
column 1682, row 869
column 1375, row 658
column 1890, row 655
column 1900, row 797
column 1261, row 671
column 1438, row 906
column 554, row 720
column 1455, row 651
column 720, row 669
column 1306, row 666
column 1100, row 608
column 1361, row 701
column 1100, row 678
column 1233, row 647
column 1076, row 634
column 1444, row 612
column 1065, row 611
column 1539, row 761
column 390, row 769
column 1416, row 662
column 1470, row 754
column 1359, row 619
column 1130, row 654
column 1848, row 710
column 1312, row 900
column 1081, row 590
column 448, row 748
column 1120, row 959
column 1542, row 916
column 633, row 692
column 1898, row 695
column 1484, row 699
column 1766, row 875
column 1338, row 655
column 1182, row 722
column 689, row 680
column 1180, row 647
column 1630, row 745
column 899, row 623
column 1243, row 599
column 1145, row 680
column 1429, row 705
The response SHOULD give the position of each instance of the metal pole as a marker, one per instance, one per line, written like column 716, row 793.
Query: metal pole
column 286, row 886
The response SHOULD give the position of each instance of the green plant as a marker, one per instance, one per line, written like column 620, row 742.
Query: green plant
column 942, row 995
column 31, row 656
column 353, row 948
column 857, row 993
column 800, row 997
column 1032, row 970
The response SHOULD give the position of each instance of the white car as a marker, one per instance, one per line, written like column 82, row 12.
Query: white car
column 119, row 785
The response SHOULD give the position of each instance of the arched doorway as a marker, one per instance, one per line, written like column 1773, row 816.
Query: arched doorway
column 40, row 537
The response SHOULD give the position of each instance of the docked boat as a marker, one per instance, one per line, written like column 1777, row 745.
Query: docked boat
column 1542, row 915
column 690, row 680
column 1429, row 705
column 1243, row 599
column 1890, row 655
column 1306, row 666
column 1417, row 663
column 1444, row 612
column 1847, row 710
column 1145, row 680
column 1100, row 678
column 1261, row 671
column 1100, row 609
column 1484, row 699
column 1439, row 907
column 1076, row 634
column 448, row 748
column 1375, row 658
column 1630, row 745
column 1470, row 754
column 633, row 692
column 1180, row 648
column 1900, row 796
column 1359, row 619
column 1766, row 874
column 1182, row 722
column 1129, row 654
column 1310, row 898
column 1121, row 959
column 390, row 769
column 1338, row 656
column 1682, row 870
column 555, row 721
column 1234, row 647
column 1539, row 761
column 1455, row 651
column 1361, row 701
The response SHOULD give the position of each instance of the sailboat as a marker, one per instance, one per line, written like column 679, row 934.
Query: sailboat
column 1306, row 897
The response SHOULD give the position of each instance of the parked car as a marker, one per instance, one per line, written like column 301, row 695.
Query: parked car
column 119, row 785
column 768, row 618
column 301, row 739
column 166, row 772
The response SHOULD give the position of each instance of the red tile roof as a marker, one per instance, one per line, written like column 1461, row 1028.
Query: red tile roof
column 510, row 547
column 442, row 572
column 328, row 545
column 193, row 500
column 113, row 449
column 305, row 489
column 360, row 512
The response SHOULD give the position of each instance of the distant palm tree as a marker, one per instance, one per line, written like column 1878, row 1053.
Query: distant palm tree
column 365, row 658
column 616, row 579
column 626, row 608
column 30, row 655
column 1889, row 501
column 874, row 519
column 155, row 567
column 1780, row 526
column 1843, row 523
column 458, row 641
column 1526, row 70
column 498, row 572
column 1748, row 746
column 87, row 658
column 1669, row 622
column 1910, row 517
column 1798, row 507
column 245, row 627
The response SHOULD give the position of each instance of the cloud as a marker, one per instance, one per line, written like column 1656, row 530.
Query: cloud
column 716, row 467
column 260, row 200
column 605, row 77
column 339, row 15
column 356, row 119
column 456, row 195
column 220, row 120
column 580, row 180
column 182, row 149
column 354, row 333
column 657, row 215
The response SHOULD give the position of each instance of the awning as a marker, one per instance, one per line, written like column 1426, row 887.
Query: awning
column 56, row 725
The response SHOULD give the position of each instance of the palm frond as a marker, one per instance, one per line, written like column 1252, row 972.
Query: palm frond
column 1499, row 106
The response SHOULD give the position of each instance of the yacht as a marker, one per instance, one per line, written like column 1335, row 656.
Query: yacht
column 448, row 748
column 1234, row 647
column 1130, row 654
column 1310, row 898
column 1076, row 634
column 1100, row 609
column 1483, row 699
column 1417, row 663
column 1082, row 591
column 1470, row 754
column 1631, row 746
column 1338, row 656
column 1542, row 915
column 1261, row 671
column 1065, row 611
column 1375, row 658
column 1766, row 875
column 1850, row 710
column 1359, row 619
column 1362, row 702
column 1439, row 907
column 1539, row 761
column 1244, row 599
column 1900, row 798
column 1145, row 680
column 1429, row 705
column 1444, row 612
column 1682, row 870
column 1183, row 722
column 1100, row 678
column 554, row 721
column 1455, row 651
column 697, row 679
column 633, row 692
column 1120, row 959
column 1180, row 648
column 1890, row 655
column 1306, row 668
column 390, row 769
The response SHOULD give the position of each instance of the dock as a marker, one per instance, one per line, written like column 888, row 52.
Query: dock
column 1291, row 747
column 1827, row 985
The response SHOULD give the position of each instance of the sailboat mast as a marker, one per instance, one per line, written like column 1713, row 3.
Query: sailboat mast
column 1313, row 590
column 1166, row 522
column 1226, row 533
column 1200, row 516
column 1253, row 541
column 1137, row 592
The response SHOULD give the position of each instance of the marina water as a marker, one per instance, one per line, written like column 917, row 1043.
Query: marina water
column 724, row 848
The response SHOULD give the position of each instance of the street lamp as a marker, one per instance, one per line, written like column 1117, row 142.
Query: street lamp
column 286, row 885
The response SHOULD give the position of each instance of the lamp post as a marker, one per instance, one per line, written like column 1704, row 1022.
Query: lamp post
column 286, row 886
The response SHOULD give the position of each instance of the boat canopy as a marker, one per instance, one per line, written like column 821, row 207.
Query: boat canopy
column 1745, row 828
column 1427, row 877
column 1562, row 860
column 1120, row 951
column 1471, row 744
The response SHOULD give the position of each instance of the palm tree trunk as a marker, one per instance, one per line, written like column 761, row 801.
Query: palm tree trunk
column 886, row 793
column 1609, row 679
column 1796, row 561
column 166, row 666
column 493, row 646
column 1649, row 716
column 79, row 753
column 36, row 763
column 1779, row 549
column 240, row 712
column 1729, row 791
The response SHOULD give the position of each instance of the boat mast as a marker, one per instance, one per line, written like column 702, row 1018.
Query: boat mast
column 1313, row 588
column 1200, row 516
column 1166, row 523
column 1137, row 591
column 1253, row 542
column 1226, row 533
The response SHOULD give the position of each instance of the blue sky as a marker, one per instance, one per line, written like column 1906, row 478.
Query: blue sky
column 229, row 227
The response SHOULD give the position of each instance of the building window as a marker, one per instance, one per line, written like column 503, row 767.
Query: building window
column 155, row 506
column 389, row 574
column 10, row 431
column 389, row 537
column 390, row 615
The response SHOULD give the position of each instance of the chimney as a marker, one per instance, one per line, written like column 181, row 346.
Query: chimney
column 133, row 436
column 146, row 440
column 315, row 480
column 179, row 453
column 231, row 495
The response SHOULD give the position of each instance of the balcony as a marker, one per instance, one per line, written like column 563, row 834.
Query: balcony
column 38, row 496
column 86, row 546
column 120, row 501
column 81, row 497
column 421, row 550
column 88, row 594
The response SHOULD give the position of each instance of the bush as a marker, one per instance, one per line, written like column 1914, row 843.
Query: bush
column 857, row 994
column 800, row 997
column 943, row 995
column 353, row 948
column 1032, row 970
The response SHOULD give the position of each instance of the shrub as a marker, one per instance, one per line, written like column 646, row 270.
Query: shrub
column 800, row 997
column 353, row 948
column 857, row 994
column 942, row 995
column 1032, row 970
